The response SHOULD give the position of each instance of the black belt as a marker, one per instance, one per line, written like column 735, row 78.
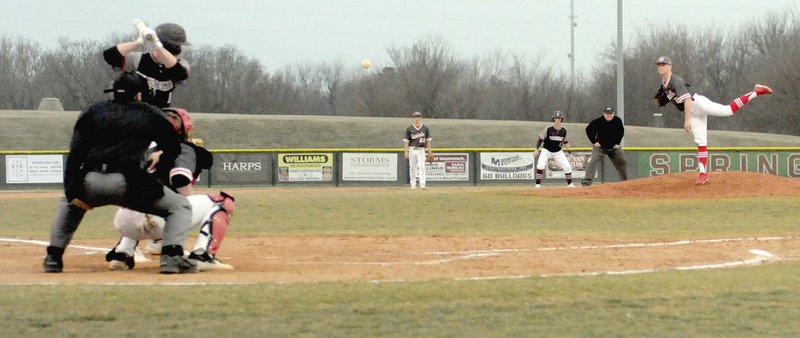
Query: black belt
column 105, row 168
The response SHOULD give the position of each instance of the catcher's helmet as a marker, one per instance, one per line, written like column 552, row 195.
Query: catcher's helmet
column 173, row 36
column 558, row 115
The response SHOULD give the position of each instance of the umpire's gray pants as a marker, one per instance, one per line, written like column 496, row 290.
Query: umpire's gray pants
column 617, row 157
column 107, row 189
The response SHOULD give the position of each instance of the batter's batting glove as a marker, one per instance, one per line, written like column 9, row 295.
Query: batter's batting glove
column 150, row 38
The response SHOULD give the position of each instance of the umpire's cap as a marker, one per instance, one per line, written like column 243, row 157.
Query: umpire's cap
column 663, row 60
column 608, row 110
column 126, row 86
column 416, row 113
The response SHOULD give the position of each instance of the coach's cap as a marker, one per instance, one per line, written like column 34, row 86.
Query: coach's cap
column 126, row 86
column 608, row 110
column 663, row 60
column 416, row 113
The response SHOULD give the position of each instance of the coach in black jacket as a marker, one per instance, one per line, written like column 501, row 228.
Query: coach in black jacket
column 605, row 134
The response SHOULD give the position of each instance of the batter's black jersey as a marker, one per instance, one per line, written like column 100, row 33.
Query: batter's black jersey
column 677, row 91
column 160, row 79
column 417, row 137
column 553, row 138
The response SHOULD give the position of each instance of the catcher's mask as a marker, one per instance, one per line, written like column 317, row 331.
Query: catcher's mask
column 180, row 121
column 558, row 115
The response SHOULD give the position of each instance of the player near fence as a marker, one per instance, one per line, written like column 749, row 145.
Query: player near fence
column 605, row 133
column 553, row 138
column 416, row 144
column 108, row 163
column 697, row 108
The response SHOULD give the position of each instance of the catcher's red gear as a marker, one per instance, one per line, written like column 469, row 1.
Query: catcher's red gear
column 180, row 120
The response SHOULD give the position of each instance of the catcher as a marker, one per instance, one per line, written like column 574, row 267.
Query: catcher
column 212, row 213
column 416, row 144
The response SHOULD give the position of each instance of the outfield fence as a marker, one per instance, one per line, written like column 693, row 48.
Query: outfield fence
column 43, row 169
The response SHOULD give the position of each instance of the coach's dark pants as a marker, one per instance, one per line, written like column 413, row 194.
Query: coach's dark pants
column 111, row 188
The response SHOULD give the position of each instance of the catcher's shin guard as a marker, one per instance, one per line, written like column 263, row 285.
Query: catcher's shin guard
column 214, row 225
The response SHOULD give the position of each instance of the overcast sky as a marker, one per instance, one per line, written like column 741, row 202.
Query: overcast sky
column 285, row 32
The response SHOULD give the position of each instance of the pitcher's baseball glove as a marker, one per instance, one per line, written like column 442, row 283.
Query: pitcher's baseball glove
column 661, row 98
column 429, row 157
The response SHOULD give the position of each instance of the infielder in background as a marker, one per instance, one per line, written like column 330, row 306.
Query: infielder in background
column 697, row 108
column 212, row 213
column 553, row 138
column 108, row 163
column 605, row 133
column 416, row 144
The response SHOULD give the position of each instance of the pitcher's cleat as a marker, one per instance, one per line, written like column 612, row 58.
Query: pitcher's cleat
column 701, row 179
column 762, row 90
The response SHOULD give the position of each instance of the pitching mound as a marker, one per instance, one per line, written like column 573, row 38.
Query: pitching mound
column 681, row 185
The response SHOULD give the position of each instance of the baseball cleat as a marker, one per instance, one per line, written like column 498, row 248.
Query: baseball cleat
column 119, row 260
column 586, row 182
column 413, row 188
column 207, row 263
column 762, row 90
column 177, row 264
column 423, row 187
column 53, row 264
column 537, row 186
column 571, row 185
column 701, row 179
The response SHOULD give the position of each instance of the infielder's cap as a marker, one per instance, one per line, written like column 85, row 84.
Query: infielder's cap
column 126, row 86
column 663, row 60
column 608, row 110
column 416, row 113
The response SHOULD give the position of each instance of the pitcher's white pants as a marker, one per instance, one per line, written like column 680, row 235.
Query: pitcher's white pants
column 702, row 108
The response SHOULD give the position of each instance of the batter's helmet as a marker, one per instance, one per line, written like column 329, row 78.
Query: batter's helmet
column 173, row 36
column 558, row 115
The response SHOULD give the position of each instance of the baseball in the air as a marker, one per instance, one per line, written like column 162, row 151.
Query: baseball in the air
column 365, row 63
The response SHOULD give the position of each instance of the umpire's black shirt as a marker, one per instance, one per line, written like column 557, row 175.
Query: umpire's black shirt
column 608, row 133
column 116, row 134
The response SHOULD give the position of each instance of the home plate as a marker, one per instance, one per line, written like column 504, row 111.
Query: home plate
column 763, row 254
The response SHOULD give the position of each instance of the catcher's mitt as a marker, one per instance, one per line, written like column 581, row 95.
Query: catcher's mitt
column 661, row 97
column 429, row 157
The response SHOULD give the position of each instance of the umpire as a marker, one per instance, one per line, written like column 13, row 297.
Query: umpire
column 108, row 163
column 605, row 134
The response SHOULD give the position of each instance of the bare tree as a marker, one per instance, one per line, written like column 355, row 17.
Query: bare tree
column 427, row 70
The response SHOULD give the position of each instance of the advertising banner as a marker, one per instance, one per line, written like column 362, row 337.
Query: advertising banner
column 305, row 167
column 21, row 169
column 448, row 167
column 241, row 168
column 579, row 161
column 369, row 167
column 507, row 166
column 786, row 164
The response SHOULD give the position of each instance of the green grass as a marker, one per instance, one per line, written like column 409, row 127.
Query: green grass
column 756, row 301
column 749, row 301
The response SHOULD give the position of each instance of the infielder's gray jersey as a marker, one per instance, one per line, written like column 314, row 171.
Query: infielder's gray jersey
column 418, row 137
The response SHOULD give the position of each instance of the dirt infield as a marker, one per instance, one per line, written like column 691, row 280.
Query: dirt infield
column 290, row 259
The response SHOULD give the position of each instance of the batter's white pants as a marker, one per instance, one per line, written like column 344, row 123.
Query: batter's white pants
column 416, row 165
column 560, row 158
column 702, row 108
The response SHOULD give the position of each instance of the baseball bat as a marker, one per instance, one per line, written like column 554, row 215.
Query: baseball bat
column 139, row 24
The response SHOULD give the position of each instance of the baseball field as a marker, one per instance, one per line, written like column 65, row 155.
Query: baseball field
column 648, row 257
